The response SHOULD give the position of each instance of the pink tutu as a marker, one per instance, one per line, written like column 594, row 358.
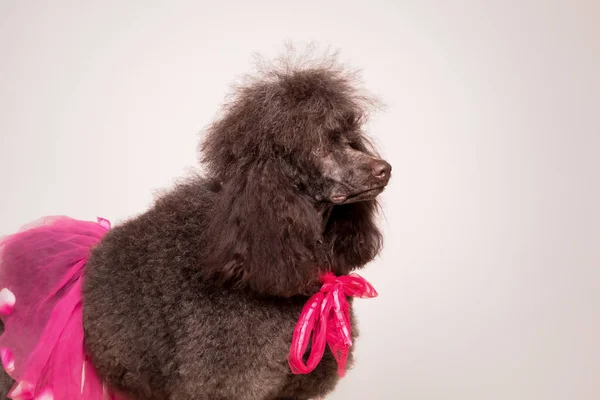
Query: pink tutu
column 42, row 347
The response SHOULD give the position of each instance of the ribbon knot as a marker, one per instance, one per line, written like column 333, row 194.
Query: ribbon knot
column 326, row 316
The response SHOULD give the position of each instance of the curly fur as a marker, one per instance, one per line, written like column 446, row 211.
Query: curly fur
column 198, row 297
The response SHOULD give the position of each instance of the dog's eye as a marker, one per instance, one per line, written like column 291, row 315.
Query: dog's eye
column 344, row 139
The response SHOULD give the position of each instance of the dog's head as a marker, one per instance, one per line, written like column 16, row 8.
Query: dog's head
column 307, row 121
column 299, row 178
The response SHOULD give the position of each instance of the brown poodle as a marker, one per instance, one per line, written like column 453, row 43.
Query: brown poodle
column 198, row 297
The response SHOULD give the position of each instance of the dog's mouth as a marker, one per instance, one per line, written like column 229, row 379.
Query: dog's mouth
column 368, row 194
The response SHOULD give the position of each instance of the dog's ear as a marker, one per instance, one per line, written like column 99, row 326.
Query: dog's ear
column 353, row 236
column 265, row 236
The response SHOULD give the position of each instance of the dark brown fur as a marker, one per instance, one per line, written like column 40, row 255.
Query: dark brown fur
column 198, row 297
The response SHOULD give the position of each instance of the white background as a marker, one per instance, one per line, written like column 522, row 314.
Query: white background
column 490, row 279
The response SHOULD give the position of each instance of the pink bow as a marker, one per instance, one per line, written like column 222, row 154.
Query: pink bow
column 327, row 316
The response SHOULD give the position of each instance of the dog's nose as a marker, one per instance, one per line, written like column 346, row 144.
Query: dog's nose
column 381, row 169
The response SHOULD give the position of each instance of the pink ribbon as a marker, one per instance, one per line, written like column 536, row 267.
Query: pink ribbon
column 326, row 316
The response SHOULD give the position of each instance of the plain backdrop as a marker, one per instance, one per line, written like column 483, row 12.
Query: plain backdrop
column 490, row 278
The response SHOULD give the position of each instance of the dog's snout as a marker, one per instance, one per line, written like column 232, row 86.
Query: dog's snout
column 381, row 169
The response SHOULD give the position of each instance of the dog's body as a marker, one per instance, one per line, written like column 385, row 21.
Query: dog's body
column 176, row 336
column 198, row 297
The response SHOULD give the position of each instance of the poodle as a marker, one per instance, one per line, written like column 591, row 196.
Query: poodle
column 199, row 297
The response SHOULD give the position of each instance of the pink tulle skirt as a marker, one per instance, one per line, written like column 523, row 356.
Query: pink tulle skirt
column 41, row 271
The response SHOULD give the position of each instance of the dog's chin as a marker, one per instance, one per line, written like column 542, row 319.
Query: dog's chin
column 364, row 195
